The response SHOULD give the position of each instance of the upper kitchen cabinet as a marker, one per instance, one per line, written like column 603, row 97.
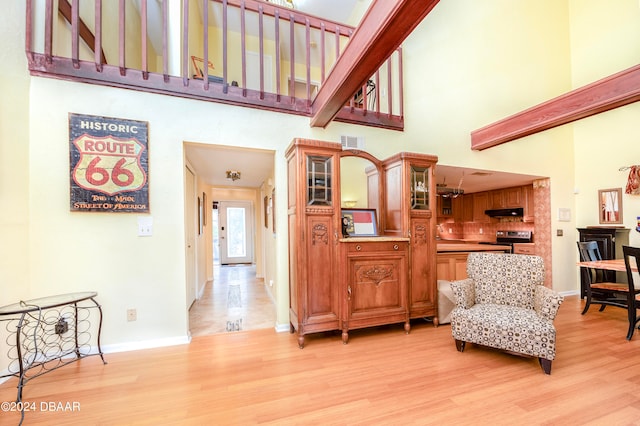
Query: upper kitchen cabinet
column 480, row 204
column 445, row 206
column 457, row 205
column 528, row 204
column 507, row 198
column 513, row 197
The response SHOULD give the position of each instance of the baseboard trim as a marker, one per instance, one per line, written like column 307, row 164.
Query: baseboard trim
column 146, row 344
column 570, row 293
column 282, row 328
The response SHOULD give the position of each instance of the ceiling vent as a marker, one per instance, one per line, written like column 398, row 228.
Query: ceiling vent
column 352, row 142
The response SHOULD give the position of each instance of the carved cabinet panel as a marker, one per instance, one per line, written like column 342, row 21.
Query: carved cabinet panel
column 375, row 282
column 422, row 295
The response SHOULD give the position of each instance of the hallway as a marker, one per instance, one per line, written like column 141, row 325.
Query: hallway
column 235, row 301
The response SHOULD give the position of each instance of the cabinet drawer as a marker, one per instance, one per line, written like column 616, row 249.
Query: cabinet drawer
column 370, row 247
column 524, row 248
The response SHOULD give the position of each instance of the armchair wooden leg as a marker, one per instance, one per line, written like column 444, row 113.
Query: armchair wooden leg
column 545, row 364
column 460, row 345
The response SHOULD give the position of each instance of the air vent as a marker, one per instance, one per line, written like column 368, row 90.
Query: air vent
column 352, row 142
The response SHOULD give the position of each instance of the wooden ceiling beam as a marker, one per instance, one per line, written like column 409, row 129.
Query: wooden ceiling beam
column 384, row 27
column 603, row 95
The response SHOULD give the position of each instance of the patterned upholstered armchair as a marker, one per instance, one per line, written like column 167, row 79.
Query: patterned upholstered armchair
column 504, row 304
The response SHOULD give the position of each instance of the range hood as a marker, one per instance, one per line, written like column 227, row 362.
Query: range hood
column 517, row 212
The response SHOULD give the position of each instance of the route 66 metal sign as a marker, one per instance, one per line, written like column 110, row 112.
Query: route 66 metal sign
column 108, row 164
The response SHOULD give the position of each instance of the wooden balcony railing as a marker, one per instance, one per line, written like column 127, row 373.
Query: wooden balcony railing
column 258, row 54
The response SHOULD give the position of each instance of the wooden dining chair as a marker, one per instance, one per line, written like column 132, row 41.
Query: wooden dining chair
column 631, row 262
column 597, row 290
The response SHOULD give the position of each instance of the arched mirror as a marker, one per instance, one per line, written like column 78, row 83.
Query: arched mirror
column 610, row 206
column 360, row 175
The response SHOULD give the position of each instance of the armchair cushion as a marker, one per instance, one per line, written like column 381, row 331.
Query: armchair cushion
column 508, row 328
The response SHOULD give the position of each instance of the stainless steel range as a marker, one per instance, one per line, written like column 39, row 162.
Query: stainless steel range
column 509, row 238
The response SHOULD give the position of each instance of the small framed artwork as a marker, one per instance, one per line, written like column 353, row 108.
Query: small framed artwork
column 359, row 222
column 265, row 204
column 610, row 206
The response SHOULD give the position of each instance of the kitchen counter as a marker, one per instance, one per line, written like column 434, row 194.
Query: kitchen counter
column 468, row 247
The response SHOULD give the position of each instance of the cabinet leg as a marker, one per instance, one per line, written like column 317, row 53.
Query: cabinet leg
column 345, row 337
column 292, row 329
column 407, row 327
column 435, row 321
column 301, row 341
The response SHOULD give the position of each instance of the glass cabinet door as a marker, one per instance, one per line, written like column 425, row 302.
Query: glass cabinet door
column 420, row 188
column 319, row 176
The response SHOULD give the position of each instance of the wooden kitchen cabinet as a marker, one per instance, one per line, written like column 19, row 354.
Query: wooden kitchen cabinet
column 445, row 206
column 480, row 204
column 506, row 198
column 496, row 199
column 452, row 266
column 467, row 208
column 338, row 283
column 524, row 248
column 457, row 205
column 528, row 204
column 513, row 197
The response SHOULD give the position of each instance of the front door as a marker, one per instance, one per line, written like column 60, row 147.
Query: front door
column 235, row 232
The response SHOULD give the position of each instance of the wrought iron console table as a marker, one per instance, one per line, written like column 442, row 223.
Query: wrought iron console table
column 47, row 333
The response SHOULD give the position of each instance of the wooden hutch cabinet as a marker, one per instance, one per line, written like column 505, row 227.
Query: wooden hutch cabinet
column 344, row 283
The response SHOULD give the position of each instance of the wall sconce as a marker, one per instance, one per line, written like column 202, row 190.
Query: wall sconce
column 233, row 175
column 350, row 204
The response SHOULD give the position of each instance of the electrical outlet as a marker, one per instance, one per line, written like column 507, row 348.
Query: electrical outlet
column 132, row 315
column 145, row 226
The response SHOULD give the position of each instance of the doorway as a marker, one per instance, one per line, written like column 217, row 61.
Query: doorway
column 238, row 295
column 235, row 232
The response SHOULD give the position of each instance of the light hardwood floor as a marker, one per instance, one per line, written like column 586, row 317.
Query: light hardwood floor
column 383, row 376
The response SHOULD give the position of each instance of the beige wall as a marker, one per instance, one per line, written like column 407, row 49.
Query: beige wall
column 468, row 64
column 608, row 141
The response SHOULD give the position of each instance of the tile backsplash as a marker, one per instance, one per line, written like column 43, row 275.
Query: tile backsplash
column 477, row 231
